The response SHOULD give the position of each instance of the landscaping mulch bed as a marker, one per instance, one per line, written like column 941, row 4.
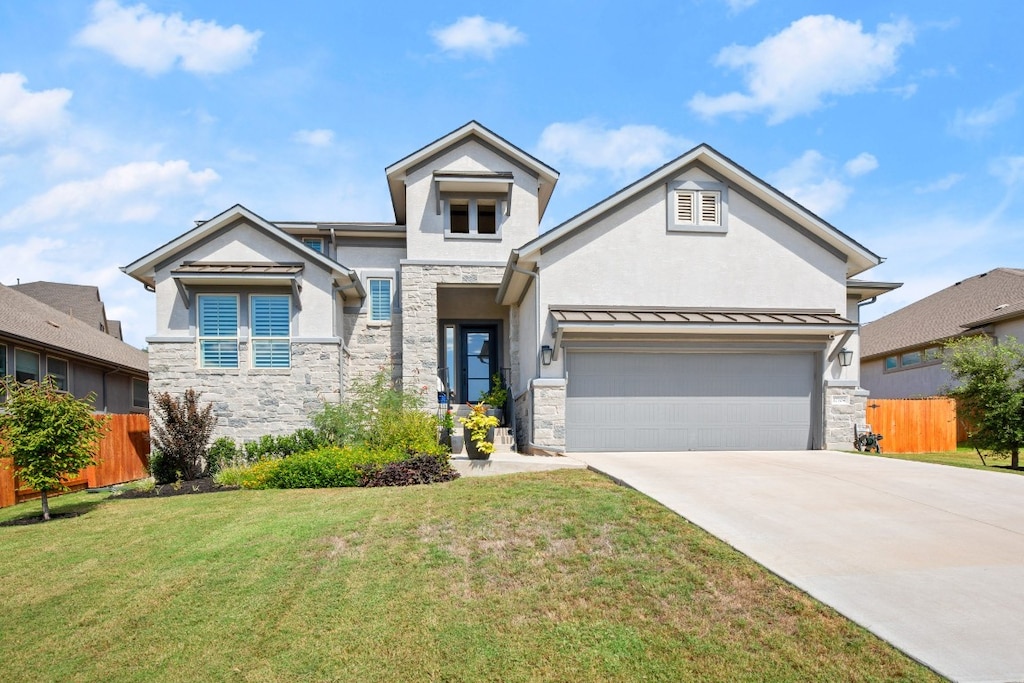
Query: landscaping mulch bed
column 38, row 519
column 182, row 488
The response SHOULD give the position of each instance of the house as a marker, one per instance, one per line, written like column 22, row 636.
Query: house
column 38, row 340
column 902, row 352
column 81, row 301
column 697, row 308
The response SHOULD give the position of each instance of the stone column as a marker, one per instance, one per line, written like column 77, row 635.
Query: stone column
column 845, row 406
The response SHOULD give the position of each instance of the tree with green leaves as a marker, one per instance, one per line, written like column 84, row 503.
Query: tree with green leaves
column 990, row 391
column 48, row 433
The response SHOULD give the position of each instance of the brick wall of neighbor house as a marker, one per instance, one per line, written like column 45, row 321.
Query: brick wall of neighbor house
column 845, row 406
column 251, row 403
column 372, row 348
column 419, row 317
column 549, row 413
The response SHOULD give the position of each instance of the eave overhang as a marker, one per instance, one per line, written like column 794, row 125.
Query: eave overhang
column 864, row 290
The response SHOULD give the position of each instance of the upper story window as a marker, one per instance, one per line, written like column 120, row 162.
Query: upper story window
column 3, row 361
column 380, row 299
column 697, row 206
column 140, row 393
column 218, row 330
column 473, row 216
column 26, row 365
column 271, row 331
column 314, row 243
column 57, row 368
column 927, row 356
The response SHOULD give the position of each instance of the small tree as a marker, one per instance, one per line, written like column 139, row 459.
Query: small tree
column 181, row 433
column 990, row 391
column 48, row 433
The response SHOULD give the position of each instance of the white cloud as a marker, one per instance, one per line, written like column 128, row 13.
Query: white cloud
column 321, row 137
column 813, row 182
column 142, row 39
column 978, row 121
column 25, row 115
column 477, row 36
column 123, row 194
column 1010, row 170
column 861, row 164
column 793, row 71
column 941, row 185
column 624, row 151
column 737, row 6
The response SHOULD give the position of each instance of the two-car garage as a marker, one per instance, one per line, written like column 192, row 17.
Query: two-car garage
column 620, row 400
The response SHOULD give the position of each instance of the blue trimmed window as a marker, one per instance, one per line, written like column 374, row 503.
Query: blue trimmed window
column 314, row 243
column 380, row 299
column 271, row 331
column 218, row 331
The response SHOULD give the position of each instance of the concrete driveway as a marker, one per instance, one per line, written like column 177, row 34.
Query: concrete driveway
column 930, row 558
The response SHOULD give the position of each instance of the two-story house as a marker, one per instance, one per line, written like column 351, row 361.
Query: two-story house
column 697, row 308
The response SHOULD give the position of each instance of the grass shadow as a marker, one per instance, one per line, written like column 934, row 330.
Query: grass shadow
column 61, row 508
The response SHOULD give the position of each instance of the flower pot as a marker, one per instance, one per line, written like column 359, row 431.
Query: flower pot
column 471, row 449
column 456, row 442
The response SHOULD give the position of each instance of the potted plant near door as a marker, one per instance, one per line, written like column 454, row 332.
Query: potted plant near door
column 479, row 431
column 496, row 396
column 448, row 434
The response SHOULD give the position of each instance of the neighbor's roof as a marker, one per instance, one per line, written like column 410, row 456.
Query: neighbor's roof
column 24, row 318
column 81, row 301
column 969, row 304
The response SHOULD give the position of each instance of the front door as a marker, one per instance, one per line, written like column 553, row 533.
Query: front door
column 478, row 360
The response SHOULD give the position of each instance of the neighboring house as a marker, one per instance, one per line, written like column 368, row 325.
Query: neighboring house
column 38, row 340
column 81, row 301
column 902, row 352
column 698, row 308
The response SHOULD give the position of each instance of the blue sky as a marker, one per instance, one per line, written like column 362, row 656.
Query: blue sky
column 121, row 123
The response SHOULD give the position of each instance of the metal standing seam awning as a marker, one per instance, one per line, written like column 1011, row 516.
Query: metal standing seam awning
column 195, row 273
column 700, row 320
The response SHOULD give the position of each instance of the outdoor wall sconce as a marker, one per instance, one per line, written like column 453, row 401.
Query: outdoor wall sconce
column 845, row 358
column 545, row 354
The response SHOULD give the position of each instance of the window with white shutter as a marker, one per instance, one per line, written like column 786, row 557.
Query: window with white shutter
column 697, row 206
column 217, row 322
column 380, row 299
column 270, row 318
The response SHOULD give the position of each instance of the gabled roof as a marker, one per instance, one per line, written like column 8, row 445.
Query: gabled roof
column 858, row 257
column 27, row 319
column 956, row 310
column 81, row 301
column 396, row 172
column 144, row 269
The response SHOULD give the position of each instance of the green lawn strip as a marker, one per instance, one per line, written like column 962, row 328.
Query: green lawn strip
column 961, row 457
column 554, row 576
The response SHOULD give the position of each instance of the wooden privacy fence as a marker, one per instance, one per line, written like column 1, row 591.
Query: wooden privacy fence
column 123, row 456
column 914, row 425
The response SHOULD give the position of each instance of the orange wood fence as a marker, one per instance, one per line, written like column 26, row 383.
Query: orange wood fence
column 918, row 425
column 123, row 456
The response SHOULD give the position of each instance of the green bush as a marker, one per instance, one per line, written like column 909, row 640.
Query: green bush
column 269, row 447
column 162, row 469
column 326, row 467
column 381, row 417
column 223, row 453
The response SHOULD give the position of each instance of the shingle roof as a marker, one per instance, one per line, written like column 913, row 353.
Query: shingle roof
column 81, row 301
column 970, row 303
column 26, row 318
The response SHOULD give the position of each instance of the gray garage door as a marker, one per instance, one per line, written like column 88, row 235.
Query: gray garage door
column 689, row 401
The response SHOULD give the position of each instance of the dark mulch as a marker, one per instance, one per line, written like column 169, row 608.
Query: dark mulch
column 204, row 485
column 37, row 519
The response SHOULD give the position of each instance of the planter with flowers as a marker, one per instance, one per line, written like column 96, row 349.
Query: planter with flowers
column 478, row 427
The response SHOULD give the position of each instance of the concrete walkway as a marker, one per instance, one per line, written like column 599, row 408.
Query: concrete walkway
column 930, row 558
column 510, row 463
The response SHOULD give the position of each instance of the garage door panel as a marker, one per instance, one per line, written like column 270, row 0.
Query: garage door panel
column 635, row 401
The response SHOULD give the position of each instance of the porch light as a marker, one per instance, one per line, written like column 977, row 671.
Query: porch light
column 845, row 358
column 545, row 354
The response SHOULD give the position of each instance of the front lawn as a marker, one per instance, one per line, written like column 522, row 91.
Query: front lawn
column 554, row 576
column 961, row 457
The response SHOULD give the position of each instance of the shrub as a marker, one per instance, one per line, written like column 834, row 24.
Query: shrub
column 267, row 446
column 223, row 453
column 326, row 467
column 379, row 416
column 257, row 476
column 162, row 469
column 181, row 433
column 418, row 469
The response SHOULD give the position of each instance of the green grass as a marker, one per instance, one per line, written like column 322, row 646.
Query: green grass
column 555, row 576
column 961, row 457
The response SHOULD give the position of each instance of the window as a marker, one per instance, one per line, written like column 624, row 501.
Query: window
column 892, row 362
column 218, row 331
column 3, row 361
column 912, row 358
column 57, row 368
column 473, row 216
column 26, row 365
column 380, row 299
column 697, row 207
column 930, row 355
column 271, row 330
column 314, row 243
column 140, row 393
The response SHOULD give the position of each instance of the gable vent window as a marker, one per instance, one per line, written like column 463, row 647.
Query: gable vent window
column 697, row 206
column 473, row 216
column 314, row 243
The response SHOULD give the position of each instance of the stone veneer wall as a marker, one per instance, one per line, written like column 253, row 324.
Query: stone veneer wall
column 845, row 406
column 419, row 318
column 549, row 413
column 249, row 403
column 372, row 348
